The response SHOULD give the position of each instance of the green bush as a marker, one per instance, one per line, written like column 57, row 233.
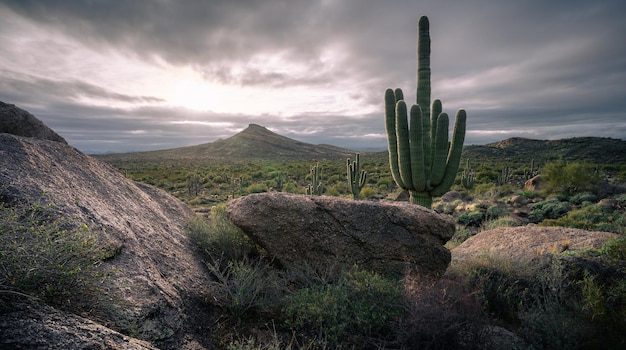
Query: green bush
column 569, row 178
column 591, row 217
column 460, row 236
column 494, row 212
column 46, row 256
column 556, row 302
column 218, row 237
column 243, row 287
column 368, row 192
column 473, row 218
column 256, row 188
column 552, row 208
column 506, row 221
column 529, row 194
column 359, row 306
column 584, row 197
column 614, row 250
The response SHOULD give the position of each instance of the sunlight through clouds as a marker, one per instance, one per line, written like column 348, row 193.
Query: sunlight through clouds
column 313, row 70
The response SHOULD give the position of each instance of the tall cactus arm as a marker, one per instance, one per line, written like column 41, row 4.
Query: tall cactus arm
column 404, row 150
column 440, row 151
column 423, row 66
column 436, row 110
column 454, row 156
column 390, row 126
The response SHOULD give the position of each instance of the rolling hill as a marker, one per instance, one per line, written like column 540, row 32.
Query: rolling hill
column 254, row 142
column 590, row 149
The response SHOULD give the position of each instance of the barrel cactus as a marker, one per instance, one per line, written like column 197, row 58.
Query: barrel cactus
column 421, row 157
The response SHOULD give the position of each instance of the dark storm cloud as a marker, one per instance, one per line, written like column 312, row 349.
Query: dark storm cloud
column 32, row 86
column 525, row 68
column 182, row 31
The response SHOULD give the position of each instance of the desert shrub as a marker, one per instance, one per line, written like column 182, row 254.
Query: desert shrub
column 473, row 218
column 506, row 221
column 552, row 317
column 384, row 183
column 602, row 286
column 291, row 187
column 614, row 250
column 584, row 197
column 591, row 217
column 244, row 286
column 218, row 237
column 460, row 235
column 332, row 191
column 368, row 192
column 556, row 301
column 569, row 178
column 441, row 314
column 494, row 212
column 529, row 194
column 273, row 340
column 551, row 208
column 358, row 307
column 256, row 188
column 446, row 207
column 46, row 256
column 500, row 291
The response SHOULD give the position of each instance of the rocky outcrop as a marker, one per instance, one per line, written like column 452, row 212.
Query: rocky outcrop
column 16, row 121
column 154, row 280
column 534, row 184
column 38, row 326
column 524, row 243
column 386, row 237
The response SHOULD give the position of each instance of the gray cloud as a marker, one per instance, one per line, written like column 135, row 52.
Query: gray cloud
column 526, row 68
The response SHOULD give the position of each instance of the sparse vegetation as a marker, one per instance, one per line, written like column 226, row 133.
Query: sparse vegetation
column 47, row 257
column 573, row 300
column 324, row 307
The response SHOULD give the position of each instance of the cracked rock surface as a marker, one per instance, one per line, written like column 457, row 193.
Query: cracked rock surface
column 385, row 237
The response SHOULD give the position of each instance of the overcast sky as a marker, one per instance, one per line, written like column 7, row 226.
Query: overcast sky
column 117, row 76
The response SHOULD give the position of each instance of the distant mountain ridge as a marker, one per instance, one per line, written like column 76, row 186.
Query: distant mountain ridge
column 254, row 142
column 258, row 143
column 591, row 149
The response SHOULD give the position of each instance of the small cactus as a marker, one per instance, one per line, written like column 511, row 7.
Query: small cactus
column 529, row 174
column 356, row 176
column 193, row 184
column 468, row 177
column 504, row 177
column 315, row 188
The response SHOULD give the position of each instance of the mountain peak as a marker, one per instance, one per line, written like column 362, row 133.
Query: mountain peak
column 257, row 129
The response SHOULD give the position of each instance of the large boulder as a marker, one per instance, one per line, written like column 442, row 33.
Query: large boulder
column 522, row 244
column 385, row 237
column 16, row 121
column 155, row 283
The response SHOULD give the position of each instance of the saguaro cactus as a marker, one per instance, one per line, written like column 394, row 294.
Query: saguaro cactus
column 356, row 176
column 315, row 187
column 504, row 177
column 421, row 158
column 468, row 177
